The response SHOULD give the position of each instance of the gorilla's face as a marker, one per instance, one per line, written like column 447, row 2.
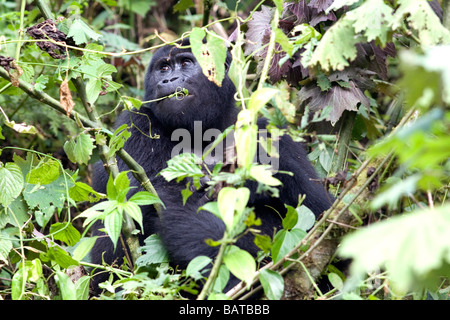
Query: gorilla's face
column 181, row 94
column 173, row 82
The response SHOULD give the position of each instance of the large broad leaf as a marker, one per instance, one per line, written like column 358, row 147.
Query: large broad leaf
column 414, row 248
column 11, row 183
column 337, row 97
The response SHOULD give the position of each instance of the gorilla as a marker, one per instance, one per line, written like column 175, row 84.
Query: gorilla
column 182, row 228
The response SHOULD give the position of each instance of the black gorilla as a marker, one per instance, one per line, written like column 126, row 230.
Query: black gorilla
column 182, row 229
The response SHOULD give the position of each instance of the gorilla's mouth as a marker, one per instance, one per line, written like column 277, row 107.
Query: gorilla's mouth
column 179, row 94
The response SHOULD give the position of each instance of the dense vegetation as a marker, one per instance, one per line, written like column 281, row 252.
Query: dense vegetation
column 366, row 84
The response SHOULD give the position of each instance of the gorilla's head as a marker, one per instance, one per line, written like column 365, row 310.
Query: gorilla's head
column 174, row 69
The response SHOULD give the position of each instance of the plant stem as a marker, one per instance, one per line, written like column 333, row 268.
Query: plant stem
column 21, row 31
column 345, row 134
column 215, row 270
column 270, row 50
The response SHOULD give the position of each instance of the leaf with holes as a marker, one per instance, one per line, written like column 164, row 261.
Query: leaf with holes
column 210, row 55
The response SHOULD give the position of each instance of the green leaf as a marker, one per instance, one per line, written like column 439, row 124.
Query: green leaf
column 291, row 218
column 66, row 286
column 263, row 174
column 82, row 288
column 196, row 266
column 60, row 256
column 306, row 218
column 420, row 17
column 155, row 252
column 79, row 150
column 231, row 203
column 210, row 55
column 338, row 4
column 83, row 248
column 285, row 241
column 5, row 248
column 413, row 248
column 134, row 211
column 272, row 283
column 260, row 98
column 182, row 5
column 335, row 280
column 81, row 32
column 393, row 194
column 11, row 183
column 65, row 232
column 46, row 172
column 182, row 166
column 240, row 263
column 84, row 192
column 113, row 225
column 144, row 198
column 337, row 47
column 374, row 18
column 93, row 89
column 246, row 144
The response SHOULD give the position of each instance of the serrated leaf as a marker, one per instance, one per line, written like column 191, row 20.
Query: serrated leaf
column 81, row 32
column 5, row 248
column 272, row 283
column 374, row 19
column 197, row 265
column 60, row 256
column 11, row 183
column 155, row 251
column 79, row 149
column 338, row 98
column 336, row 48
column 182, row 166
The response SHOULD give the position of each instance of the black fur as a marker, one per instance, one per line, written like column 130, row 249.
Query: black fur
column 182, row 229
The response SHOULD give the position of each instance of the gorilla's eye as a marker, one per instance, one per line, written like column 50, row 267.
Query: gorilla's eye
column 186, row 62
column 164, row 67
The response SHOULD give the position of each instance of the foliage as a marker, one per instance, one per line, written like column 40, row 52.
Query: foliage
column 363, row 81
